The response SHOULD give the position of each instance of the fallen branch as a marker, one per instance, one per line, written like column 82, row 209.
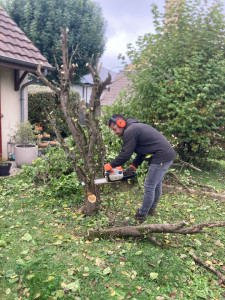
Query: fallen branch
column 155, row 241
column 145, row 230
column 208, row 266
column 191, row 181
column 179, row 180
column 181, row 163
column 167, row 187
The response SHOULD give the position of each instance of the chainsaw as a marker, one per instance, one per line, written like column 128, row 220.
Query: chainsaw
column 115, row 175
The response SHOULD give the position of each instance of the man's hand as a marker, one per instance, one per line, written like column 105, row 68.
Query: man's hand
column 107, row 167
column 130, row 169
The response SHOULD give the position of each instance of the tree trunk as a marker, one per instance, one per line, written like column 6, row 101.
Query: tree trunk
column 92, row 199
column 89, row 148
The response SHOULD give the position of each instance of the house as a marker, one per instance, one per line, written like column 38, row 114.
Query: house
column 120, row 83
column 18, row 57
column 84, row 88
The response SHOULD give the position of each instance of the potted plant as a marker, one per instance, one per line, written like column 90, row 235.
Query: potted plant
column 38, row 128
column 25, row 149
column 53, row 143
column 5, row 168
column 46, row 136
column 43, row 144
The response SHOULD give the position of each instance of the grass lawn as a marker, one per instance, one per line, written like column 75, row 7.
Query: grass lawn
column 45, row 252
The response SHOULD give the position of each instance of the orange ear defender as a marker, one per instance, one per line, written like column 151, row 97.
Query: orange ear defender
column 119, row 122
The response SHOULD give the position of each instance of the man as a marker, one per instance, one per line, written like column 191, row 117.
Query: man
column 147, row 143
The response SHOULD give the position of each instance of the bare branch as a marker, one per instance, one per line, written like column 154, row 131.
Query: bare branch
column 208, row 266
column 45, row 80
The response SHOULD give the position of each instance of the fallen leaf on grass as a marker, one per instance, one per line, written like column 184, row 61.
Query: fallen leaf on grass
column 25, row 252
column 218, row 243
column 50, row 278
column 7, row 291
column 74, row 286
column 153, row 275
column 99, row 262
column 133, row 274
column 10, row 274
column 3, row 243
column 59, row 294
column 125, row 273
column 27, row 237
column 172, row 295
column 107, row 271
column 36, row 296
column 90, row 258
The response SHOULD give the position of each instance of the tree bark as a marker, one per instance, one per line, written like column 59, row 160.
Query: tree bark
column 143, row 230
column 88, row 153
column 208, row 267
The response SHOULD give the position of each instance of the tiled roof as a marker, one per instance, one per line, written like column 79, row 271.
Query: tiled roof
column 16, row 50
column 120, row 83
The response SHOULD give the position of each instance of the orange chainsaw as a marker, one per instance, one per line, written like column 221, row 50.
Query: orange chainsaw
column 114, row 175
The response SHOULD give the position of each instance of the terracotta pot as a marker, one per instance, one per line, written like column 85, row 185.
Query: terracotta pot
column 38, row 128
column 53, row 143
column 43, row 144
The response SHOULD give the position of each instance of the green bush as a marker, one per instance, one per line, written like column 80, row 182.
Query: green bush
column 56, row 172
column 178, row 78
column 41, row 103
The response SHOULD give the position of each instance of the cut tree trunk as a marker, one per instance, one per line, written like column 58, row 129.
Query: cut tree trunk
column 143, row 230
column 92, row 198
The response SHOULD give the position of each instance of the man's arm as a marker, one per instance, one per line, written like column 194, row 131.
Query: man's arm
column 138, row 160
column 129, row 144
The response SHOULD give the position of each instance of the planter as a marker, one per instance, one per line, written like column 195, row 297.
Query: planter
column 4, row 169
column 25, row 155
column 39, row 136
column 53, row 143
column 38, row 128
column 43, row 144
column 46, row 136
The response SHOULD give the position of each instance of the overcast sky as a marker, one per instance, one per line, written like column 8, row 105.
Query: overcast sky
column 126, row 20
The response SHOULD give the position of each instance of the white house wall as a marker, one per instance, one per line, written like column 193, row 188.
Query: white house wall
column 84, row 91
column 10, row 107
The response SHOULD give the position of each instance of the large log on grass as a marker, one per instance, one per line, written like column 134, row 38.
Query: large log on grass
column 148, row 229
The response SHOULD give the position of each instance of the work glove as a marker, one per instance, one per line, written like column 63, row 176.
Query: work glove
column 107, row 167
column 130, row 170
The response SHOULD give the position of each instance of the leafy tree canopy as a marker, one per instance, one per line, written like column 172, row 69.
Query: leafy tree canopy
column 178, row 77
column 41, row 21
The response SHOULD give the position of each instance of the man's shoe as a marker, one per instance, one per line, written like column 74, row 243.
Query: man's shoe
column 152, row 212
column 139, row 217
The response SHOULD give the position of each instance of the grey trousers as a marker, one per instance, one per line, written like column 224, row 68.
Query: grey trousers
column 153, row 186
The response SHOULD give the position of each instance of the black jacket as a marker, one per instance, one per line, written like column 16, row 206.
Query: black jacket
column 145, row 141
